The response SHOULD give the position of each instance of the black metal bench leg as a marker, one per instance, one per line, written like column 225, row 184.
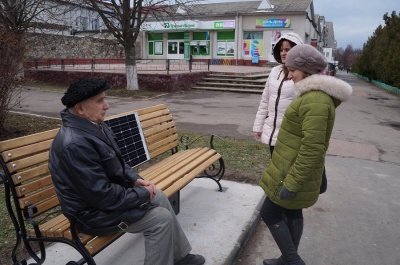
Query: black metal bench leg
column 215, row 173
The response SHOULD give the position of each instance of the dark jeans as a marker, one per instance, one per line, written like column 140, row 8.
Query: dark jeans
column 272, row 213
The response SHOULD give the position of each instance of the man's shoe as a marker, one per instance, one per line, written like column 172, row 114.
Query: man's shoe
column 191, row 259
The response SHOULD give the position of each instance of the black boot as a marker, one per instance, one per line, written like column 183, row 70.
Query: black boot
column 278, row 261
column 280, row 232
column 296, row 230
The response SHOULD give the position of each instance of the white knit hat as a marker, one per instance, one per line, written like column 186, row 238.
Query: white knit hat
column 292, row 37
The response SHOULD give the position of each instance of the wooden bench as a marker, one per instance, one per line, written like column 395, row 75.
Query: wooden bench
column 31, row 198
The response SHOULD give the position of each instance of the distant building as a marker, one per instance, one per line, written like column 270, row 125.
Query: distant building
column 242, row 32
column 231, row 30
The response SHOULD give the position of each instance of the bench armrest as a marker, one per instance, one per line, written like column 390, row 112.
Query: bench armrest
column 186, row 141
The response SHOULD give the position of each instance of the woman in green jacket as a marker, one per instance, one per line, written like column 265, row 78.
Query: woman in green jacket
column 293, row 177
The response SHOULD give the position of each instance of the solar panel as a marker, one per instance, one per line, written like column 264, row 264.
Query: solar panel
column 130, row 139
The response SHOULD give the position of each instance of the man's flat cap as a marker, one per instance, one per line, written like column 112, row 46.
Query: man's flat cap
column 83, row 89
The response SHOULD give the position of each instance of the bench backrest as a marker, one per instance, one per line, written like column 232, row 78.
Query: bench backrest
column 158, row 128
column 26, row 158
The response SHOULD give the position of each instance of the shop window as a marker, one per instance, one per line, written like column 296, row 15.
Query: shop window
column 226, row 43
column 155, row 48
column 155, row 44
column 176, row 47
column 200, row 45
column 252, row 43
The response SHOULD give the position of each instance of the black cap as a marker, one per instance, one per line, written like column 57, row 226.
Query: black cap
column 83, row 89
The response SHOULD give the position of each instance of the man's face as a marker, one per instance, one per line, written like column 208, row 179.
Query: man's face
column 94, row 108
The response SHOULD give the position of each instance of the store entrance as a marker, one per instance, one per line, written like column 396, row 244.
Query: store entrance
column 175, row 49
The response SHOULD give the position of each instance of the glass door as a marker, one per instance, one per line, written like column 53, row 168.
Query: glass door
column 176, row 49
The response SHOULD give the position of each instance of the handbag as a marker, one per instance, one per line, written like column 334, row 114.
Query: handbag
column 324, row 183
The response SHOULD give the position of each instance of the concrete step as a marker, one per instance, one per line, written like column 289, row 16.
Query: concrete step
column 241, row 76
column 227, row 89
column 217, row 79
column 229, row 85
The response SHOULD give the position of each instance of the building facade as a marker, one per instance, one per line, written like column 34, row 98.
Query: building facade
column 243, row 32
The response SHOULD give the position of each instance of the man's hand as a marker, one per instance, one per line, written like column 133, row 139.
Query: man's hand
column 148, row 185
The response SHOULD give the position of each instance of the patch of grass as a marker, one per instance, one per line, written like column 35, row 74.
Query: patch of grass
column 245, row 161
column 18, row 125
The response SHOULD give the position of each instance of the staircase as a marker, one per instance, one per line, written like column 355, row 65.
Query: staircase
column 247, row 83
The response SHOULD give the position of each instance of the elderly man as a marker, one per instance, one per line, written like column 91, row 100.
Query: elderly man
column 94, row 184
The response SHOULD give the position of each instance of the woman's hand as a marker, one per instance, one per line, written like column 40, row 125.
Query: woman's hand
column 257, row 135
column 286, row 194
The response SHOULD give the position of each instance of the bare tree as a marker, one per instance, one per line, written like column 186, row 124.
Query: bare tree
column 16, row 18
column 123, row 18
column 11, row 47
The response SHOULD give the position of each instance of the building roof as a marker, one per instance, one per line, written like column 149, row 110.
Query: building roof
column 246, row 7
column 290, row 5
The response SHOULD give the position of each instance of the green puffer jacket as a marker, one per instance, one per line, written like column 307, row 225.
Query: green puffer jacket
column 299, row 155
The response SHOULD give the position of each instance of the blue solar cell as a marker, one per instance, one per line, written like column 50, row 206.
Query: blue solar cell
column 130, row 139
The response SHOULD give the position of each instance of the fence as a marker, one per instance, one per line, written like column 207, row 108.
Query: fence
column 164, row 65
column 380, row 84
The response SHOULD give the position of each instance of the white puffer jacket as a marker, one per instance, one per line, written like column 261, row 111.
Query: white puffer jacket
column 273, row 104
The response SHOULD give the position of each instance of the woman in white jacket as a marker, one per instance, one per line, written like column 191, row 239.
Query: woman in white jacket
column 277, row 94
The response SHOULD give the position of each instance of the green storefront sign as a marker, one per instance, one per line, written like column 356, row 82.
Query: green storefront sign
column 186, row 48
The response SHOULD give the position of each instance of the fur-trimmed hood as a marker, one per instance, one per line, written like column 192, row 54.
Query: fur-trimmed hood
column 331, row 85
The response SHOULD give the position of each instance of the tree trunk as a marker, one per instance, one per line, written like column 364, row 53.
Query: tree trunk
column 131, row 78
column 131, row 70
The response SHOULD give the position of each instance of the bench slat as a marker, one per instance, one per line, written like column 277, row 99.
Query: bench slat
column 156, row 121
column 182, row 182
column 51, row 232
column 140, row 112
column 153, row 171
column 154, row 130
column 180, row 170
column 62, row 229
column 37, row 197
column 83, row 237
column 27, row 162
column 27, row 140
column 151, row 109
column 155, row 134
column 155, row 115
column 45, row 226
column 162, row 150
column 46, row 205
column 167, row 141
column 25, row 151
column 30, row 173
column 177, row 169
column 99, row 242
column 34, row 185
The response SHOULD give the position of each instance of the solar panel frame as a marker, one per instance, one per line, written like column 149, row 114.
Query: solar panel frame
column 130, row 138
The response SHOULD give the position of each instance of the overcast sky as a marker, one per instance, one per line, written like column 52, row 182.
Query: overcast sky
column 353, row 20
